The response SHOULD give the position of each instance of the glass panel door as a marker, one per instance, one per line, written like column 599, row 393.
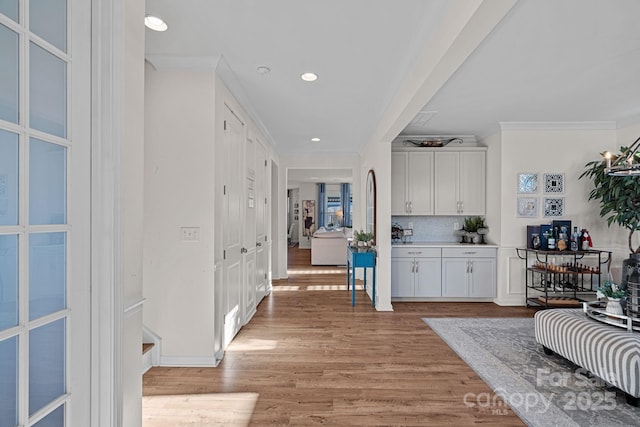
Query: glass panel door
column 35, row 238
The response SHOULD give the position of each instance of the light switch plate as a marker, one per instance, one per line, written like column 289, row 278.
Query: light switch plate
column 190, row 234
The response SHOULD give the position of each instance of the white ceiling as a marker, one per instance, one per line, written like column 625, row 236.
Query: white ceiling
column 547, row 60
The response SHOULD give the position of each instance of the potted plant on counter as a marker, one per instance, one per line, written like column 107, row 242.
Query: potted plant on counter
column 475, row 229
column 362, row 240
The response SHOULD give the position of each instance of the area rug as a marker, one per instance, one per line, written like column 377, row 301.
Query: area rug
column 542, row 390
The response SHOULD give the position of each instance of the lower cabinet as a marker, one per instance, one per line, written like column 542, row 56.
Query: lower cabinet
column 469, row 272
column 433, row 272
column 415, row 272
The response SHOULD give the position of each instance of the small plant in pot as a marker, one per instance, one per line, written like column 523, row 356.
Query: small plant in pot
column 475, row 229
column 362, row 240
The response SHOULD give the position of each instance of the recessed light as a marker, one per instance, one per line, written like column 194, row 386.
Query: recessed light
column 309, row 77
column 315, row 139
column 154, row 23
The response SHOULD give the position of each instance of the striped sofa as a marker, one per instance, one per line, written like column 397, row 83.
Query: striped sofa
column 611, row 353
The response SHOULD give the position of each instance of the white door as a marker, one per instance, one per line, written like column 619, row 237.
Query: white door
column 402, row 272
column 232, row 233
column 420, row 183
column 472, row 182
column 249, row 230
column 446, row 183
column 398, row 184
column 44, row 215
column 428, row 277
column 455, row 277
column 483, row 277
column 262, row 174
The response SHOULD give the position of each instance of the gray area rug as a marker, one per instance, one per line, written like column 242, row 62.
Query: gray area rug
column 543, row 390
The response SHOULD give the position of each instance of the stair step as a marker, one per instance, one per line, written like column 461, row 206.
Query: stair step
column 147, row 346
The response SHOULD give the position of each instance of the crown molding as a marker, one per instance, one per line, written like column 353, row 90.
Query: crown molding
column 595, row 125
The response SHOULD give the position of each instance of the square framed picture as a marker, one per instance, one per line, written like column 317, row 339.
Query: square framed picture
column 554, row 183
column 527, row 207
column 527, row 183
column 553, row 206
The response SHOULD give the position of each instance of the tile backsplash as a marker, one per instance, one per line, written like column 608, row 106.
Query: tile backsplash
column 430, row 228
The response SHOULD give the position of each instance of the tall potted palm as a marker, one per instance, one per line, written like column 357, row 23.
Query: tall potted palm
column 619, row 198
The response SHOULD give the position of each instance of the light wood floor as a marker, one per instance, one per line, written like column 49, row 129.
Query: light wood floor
column 312, row 359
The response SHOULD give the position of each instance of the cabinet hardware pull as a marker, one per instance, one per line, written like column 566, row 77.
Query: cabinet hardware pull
column 470, row 252
column 461, row 207
column 410, row 207
column 471, row 267
column 414, row 253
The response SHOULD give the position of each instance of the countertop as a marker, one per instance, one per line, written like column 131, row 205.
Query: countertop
column 442, row 245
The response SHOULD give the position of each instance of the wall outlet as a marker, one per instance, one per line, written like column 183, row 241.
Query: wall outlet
column 190, row 234
column 410, row 225
column 456, row 226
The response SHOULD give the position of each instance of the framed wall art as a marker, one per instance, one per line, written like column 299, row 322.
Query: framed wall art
column 527, row 207
column 554, row 183
column 527, row 183
column 553, row 206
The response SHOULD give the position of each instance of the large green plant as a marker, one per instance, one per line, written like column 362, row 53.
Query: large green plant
column 619, row 196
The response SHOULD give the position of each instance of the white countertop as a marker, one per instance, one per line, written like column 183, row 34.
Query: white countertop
column 441, row 245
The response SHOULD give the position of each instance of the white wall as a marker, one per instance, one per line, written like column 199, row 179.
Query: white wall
column 562, row 148
column 132, row 162
column 179, row 179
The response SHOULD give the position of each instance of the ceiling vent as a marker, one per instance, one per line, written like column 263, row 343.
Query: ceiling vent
column 422, row 118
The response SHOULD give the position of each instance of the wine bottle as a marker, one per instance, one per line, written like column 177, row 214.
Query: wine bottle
column 551, row 240
column 575, row 237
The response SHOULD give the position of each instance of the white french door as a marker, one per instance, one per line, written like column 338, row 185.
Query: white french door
column 44, row 319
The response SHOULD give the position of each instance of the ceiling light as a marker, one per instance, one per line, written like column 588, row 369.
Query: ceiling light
column 315, row 139
column 309, row 77
column 626, row 164
column 154, row 23
column 263, row 69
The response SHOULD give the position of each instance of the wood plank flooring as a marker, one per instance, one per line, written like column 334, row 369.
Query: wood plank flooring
column 312, row 359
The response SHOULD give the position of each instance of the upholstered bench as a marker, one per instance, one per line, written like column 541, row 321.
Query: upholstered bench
column 611, row 353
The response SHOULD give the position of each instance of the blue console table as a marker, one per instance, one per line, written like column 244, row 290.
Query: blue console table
column 360, row 259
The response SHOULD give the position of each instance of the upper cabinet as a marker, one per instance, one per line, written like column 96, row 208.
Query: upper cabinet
column 460, row 182
column 412, row 183
column 438, row 181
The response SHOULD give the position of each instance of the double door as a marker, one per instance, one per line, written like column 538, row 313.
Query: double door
column 469, row 273
column 415, row 272
column 412, row 183
column 460, row 182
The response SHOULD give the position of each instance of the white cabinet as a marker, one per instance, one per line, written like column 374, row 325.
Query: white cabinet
column 412, row 183
column 469, row 272
column 415, row 272
column 460, row 181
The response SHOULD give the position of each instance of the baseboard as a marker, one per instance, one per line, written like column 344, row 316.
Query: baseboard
column 189, row 361
column 514, row 301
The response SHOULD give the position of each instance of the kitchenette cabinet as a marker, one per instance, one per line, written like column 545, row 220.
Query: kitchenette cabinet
column 469, row 272
column 412, row 183
column 443, row 272
column 415, row 272
column 460, row 182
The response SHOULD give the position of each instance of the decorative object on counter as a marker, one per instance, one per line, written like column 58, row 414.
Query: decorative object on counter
column 553, row 207
column 527, row 207
column 527, row 183
column 553, row 183
column 475, row 229
column 363, row 240
column 436, row 142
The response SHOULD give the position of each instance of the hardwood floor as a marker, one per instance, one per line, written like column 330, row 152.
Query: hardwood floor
column 312, row 359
